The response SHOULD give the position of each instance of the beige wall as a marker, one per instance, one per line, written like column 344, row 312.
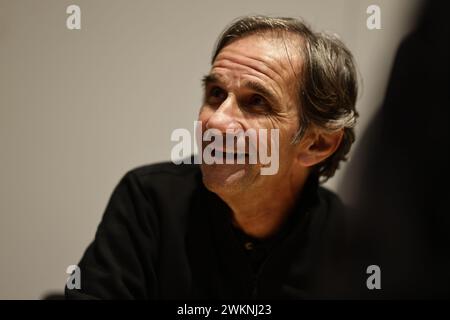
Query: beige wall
column 80, row 108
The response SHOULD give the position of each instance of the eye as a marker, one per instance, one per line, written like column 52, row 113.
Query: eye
column 257, row 103
column 258, row 100
column 216, row 95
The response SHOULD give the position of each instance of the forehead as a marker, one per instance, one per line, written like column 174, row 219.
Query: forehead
column 269, row 57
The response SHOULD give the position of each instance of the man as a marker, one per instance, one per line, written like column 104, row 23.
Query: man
column 226, row 230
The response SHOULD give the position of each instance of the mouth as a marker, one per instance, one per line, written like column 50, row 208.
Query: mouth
column 235, row 156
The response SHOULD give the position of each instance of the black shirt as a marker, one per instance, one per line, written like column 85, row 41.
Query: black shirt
column 165, row 236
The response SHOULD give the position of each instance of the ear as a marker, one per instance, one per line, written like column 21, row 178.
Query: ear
column 318, row 145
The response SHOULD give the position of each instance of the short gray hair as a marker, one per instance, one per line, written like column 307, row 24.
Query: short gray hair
column 328, row 83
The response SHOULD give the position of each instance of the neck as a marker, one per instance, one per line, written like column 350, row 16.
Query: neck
column 261, row 212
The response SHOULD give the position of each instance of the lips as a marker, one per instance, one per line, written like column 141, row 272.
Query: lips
column 224, row 154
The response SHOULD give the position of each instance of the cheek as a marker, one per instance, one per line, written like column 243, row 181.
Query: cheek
column 287, row 130
column 264, row 133
column 290, row 128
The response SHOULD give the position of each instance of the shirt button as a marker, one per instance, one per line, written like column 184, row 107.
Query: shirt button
column 249, row 245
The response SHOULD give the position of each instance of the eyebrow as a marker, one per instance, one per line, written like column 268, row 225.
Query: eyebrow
column 210, row 79
column 253, row 85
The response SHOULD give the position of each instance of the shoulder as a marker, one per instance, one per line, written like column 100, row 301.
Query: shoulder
column 165, row 170
column 166, row 182
column 331, row 200
column 165, row 173
column 335, row 219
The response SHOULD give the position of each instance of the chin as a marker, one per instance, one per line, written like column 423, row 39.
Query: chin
column 226, row 178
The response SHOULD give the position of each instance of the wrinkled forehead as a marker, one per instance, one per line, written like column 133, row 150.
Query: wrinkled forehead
column 288, row 40
column 273, row 58
column 275, row 54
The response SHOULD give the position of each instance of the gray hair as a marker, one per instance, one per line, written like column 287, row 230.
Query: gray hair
column 328, row 82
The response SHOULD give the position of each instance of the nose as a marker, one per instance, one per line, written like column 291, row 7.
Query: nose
column 225, row 117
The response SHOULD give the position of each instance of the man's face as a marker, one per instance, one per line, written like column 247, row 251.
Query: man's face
column 253, row 84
